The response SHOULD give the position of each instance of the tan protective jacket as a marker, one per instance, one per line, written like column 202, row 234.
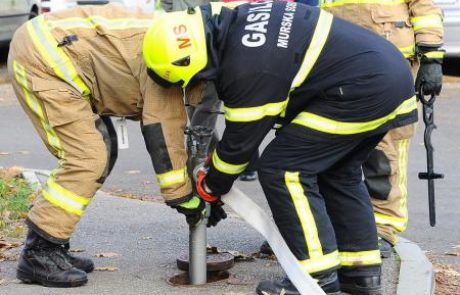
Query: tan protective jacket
column 98, row 50
column 405, row 23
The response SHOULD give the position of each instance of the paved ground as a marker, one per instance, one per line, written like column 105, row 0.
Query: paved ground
column 133, row 174
column 147, row 255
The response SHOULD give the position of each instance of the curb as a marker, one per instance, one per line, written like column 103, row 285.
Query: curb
column 416, row 274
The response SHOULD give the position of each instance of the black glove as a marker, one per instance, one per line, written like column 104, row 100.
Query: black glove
column 217, row 213
column 193, row 209
column 429, row 76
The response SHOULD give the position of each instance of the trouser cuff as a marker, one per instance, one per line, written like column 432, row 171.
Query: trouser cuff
column 44, row 234
column 360, row 271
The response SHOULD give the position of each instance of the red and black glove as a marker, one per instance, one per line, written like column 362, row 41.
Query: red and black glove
column 217, row 212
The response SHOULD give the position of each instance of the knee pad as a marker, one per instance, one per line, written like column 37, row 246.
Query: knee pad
column 105, row 126
column 377, row 172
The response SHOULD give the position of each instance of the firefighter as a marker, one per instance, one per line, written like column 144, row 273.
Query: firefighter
column 416, row 28
column 68, row 69
column 332, row 90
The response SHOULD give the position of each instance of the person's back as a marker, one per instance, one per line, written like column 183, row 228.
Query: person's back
column 104, row 45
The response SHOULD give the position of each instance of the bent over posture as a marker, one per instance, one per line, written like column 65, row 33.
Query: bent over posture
column 67, row 69
column 331, row 88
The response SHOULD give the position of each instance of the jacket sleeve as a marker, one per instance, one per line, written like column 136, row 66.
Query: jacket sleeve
column 427, row 21
column 163, row 123
column 251, row 110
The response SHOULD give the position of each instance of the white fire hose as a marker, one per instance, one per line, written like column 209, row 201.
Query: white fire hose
column 256, row 217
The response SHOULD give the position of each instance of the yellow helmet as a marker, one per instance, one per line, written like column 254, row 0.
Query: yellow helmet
column 175, row 47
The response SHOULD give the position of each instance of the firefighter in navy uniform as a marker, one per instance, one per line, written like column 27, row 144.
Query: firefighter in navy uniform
column 331, row 88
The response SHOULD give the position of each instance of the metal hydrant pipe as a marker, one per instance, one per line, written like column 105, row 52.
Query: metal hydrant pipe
column 197, row 251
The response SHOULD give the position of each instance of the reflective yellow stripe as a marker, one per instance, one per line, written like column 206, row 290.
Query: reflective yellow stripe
column 426, row 21
column 35, row 106
column 434, row 54
column 403, row 152
column 91, row 22
column 322, row 29
column 307, row 220
column 55, row 56
column 327, row 125
column 64, row 198
column 254, row 113
column 324, row 262
column 408, row 51
column 360, row 258
column 172, row 177
column 225, row 167
column 332, row 3
column 398, row 223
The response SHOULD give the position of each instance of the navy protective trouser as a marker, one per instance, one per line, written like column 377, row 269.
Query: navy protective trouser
column 314, row 186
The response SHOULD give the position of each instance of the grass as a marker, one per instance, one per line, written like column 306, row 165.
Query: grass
column 16, row 195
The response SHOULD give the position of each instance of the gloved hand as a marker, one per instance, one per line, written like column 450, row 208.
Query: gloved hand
column 193, row 209
column 429, row 76
column 217, row 212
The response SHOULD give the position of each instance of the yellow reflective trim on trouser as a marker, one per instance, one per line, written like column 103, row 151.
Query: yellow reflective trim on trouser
column 322, row 29
column 408, row 51
column 330, row 126
column 325, row 262
column 35, row 106
column 55, row 56
column 172, row 177
column 399, row 224
column 335, row 3
column 92, row 22
column 251, row 114
column 370, row 257
column 227, row 168
column 426, row 21
column 403, row 152
column 64, row 198
column 435, row 54
column 304, row 213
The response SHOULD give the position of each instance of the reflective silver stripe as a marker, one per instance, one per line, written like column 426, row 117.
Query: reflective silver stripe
column 95, row 21
column 64, row 199
column 250, row 114
column 227, row 168
column 172, row 177
column 323, row 27
column 360, row 258
column 55, row 56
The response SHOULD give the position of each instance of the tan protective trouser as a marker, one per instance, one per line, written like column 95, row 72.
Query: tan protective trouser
column 386, row 178
column 65, row 122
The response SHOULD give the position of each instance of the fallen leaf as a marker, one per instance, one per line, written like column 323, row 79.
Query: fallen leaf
column 77, row 250
column 107, row 255
column 14, row 171
column 106, row 268
column 5, row 245
column 4, row 153
column 133, row 172
column 2, row 282
column 452, row 253
column 7, row 256
column 241, row 280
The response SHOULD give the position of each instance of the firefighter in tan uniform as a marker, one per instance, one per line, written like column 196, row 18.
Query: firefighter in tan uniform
column 68, row 69
column 416, row 28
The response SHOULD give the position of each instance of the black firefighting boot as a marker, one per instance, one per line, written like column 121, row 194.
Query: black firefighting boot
column 45, row 263
column 385, row 247
column 328, row 282
column 266, row 249
column 362, row 285
column 85, row 264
